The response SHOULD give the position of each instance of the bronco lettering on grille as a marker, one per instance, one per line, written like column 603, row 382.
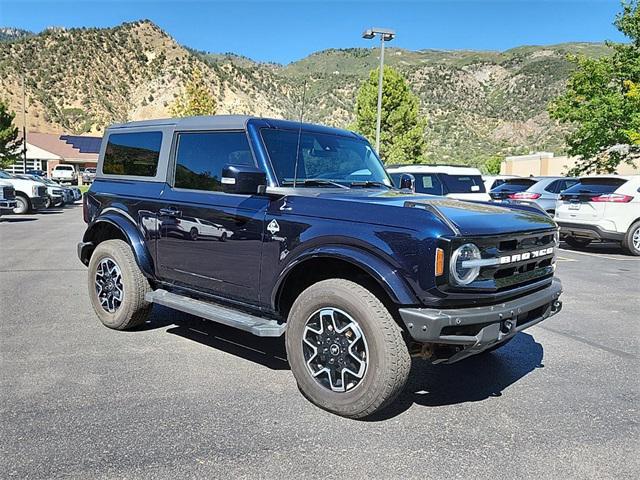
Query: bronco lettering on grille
column 518, row 257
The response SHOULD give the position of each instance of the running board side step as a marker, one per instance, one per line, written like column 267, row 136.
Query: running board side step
column 217, row 313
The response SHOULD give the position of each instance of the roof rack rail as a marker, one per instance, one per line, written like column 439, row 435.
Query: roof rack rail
column 429, row 165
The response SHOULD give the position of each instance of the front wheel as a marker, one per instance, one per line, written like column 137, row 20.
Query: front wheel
column 577, row 242
column 117, row 287
column 631, row 241
column 23, row 205
column 346, row 352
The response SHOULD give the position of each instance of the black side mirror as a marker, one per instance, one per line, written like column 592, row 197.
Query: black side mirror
column 408, row 182
column 245, row 179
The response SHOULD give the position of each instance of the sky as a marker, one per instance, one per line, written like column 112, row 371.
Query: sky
column 285, row 31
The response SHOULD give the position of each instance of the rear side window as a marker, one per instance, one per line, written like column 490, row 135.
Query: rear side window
column 133, row 154
column 464, row 183
column 516, row 185
column 200, row 157
column 429, row 184
column 599, row 186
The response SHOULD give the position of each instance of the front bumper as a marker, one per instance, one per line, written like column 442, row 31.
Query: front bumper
column 8, row 205
column 588, row 230
column 469, row 331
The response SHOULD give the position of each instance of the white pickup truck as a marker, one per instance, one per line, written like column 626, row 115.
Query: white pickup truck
column 7, row 197
column 30, row 195
column 64, row 173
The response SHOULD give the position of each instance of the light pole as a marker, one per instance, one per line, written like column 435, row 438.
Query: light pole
column 385, row 36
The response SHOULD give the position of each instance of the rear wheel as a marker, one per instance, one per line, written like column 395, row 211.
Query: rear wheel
column 117, row 287
column 631, row 241
column 577, row 242
column 193, row 234
column 345, row 349
column 24, row 206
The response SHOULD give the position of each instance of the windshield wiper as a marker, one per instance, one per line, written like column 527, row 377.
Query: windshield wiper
column 314, row 181
column 371, row 183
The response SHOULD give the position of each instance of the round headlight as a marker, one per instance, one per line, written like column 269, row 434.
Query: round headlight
column 464, row 275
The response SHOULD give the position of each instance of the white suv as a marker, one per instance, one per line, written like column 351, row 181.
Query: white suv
column 452, row 181
column 64, row 173
column 603, row 207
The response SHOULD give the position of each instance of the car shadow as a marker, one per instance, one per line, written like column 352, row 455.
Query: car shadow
column 269, row 352
column 15, row 220
column 471, row 380
column 610, row 248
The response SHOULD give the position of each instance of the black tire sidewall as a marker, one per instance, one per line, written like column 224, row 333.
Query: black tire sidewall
column 368, row 391
column 113, row 249
column 628, row 240
column 21, row 201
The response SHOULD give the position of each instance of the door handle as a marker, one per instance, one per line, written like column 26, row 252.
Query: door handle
column 170, row 212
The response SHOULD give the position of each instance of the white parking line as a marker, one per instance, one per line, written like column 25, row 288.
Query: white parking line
column 566, row 259
column 599, row 255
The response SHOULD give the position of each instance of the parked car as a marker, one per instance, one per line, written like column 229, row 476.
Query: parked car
column 88, row 175
column 356, row 274
column 198, row 227
column 40, row 173
column 7, row 198
column 544, row 193
column 55, row 193
column 30, row 195
column 64, row 173
column 492, row 181
column 452, row 181
column 511, row 186
column 602, row 208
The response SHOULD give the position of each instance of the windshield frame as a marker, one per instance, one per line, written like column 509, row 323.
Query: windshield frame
column 285, row 182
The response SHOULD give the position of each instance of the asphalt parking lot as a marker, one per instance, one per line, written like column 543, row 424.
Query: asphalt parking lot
column 182, row 398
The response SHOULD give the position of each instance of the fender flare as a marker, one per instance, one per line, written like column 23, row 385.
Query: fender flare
column 123, row 222
column 381, row 271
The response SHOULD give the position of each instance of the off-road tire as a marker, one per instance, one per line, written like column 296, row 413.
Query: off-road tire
column 24, row 205
column 627, row 242
column 389, row 361
column 134, row 309
column 574, row 242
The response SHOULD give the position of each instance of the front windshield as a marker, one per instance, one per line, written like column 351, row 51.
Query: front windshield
column 322, row 158
column 4, row 175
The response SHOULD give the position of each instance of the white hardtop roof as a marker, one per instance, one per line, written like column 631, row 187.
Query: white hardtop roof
column 212, row 121
column 448, row 169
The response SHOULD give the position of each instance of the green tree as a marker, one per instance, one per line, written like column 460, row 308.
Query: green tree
column 492, row 165
column 602, row 101
column 402, row 128
column 9, row 143
column 197, row 98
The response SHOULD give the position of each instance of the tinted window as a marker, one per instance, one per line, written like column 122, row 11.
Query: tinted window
column 519, row 185
column 132, row 154
column 463, row 183
column 428, row 183
column 321, row 156
column 553, row 186
column 596, row 185
column 201, row 156
column 564, row 184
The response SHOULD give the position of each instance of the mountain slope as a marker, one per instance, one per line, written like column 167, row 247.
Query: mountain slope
column 477, row 103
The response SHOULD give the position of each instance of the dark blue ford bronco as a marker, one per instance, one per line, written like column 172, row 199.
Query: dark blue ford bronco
column 277, row 227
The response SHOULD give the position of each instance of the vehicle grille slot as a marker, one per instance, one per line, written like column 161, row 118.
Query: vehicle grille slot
column 8, row 193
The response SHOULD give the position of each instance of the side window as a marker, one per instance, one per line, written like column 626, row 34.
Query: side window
column 132, row 154
column 200, row 157
column 553, row 186
column 429, row 184
column 566, row 184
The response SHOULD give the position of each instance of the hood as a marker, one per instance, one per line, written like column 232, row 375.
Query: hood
column 467, row 217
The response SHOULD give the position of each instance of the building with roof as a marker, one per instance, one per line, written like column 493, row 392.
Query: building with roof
column 46, row 150
column 547, row 164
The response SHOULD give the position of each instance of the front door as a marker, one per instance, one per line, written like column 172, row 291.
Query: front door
column 209, row 239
